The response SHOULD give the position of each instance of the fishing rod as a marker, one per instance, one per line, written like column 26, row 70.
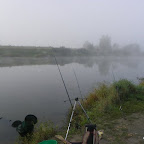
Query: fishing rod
column 118, row 96
column 63, row 80
column 113, row 74
column 78, row 87
column 78, row 84
column 116, row 86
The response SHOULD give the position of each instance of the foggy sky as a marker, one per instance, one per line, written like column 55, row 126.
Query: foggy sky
column 70, row 22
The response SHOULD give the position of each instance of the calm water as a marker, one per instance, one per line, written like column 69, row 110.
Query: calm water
column 38, row 89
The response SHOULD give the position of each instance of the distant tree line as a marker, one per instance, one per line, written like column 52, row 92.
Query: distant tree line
column 104, row 48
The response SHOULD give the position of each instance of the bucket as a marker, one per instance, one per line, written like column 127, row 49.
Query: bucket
column 48, row 142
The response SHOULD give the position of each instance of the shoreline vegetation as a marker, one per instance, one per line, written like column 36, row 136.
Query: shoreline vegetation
column 103, row 107
column 104, row 48
column 39, row 52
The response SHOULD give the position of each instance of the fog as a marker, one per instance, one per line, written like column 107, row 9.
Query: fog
column 70, row 23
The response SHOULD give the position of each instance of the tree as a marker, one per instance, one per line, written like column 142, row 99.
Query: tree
column 105, row 44
column 132, row 49
column 115, row 46
column 89, row 46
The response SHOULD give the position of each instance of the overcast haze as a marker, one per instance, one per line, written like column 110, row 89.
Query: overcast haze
column 70, row 22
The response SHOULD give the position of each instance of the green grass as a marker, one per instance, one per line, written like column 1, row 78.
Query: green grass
column 43, row 131
column 102, row 106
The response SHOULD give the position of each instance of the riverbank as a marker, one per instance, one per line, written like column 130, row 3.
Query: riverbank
column 103, row 108
column 36, row 52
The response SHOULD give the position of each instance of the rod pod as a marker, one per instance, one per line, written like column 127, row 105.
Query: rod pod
column 76, row 100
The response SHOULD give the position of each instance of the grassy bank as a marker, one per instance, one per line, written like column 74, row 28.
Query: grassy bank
column 105, row 101
column 103, row 108
column 31, row 51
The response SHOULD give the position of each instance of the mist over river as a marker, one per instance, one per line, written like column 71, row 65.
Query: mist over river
column 34, row 86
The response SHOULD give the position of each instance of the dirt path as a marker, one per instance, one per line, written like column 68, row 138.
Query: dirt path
column 122, row 131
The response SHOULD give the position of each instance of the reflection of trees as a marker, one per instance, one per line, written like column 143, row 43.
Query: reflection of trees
column 131, row 63
column 103, row 63
column 104, row 66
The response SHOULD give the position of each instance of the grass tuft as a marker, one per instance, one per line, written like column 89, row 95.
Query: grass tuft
column 43, row 131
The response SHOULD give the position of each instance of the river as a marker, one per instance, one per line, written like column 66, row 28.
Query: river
column 37, row 88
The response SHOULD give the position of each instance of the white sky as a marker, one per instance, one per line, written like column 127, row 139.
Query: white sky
column 70, row 22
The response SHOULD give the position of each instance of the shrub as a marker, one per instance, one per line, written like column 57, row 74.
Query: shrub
column 124, row 89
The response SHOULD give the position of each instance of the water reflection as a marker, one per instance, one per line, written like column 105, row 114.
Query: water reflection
column 104, row 63
column 7, row 133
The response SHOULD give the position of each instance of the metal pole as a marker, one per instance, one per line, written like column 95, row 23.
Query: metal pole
column 70, row 120
column 84, row 112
